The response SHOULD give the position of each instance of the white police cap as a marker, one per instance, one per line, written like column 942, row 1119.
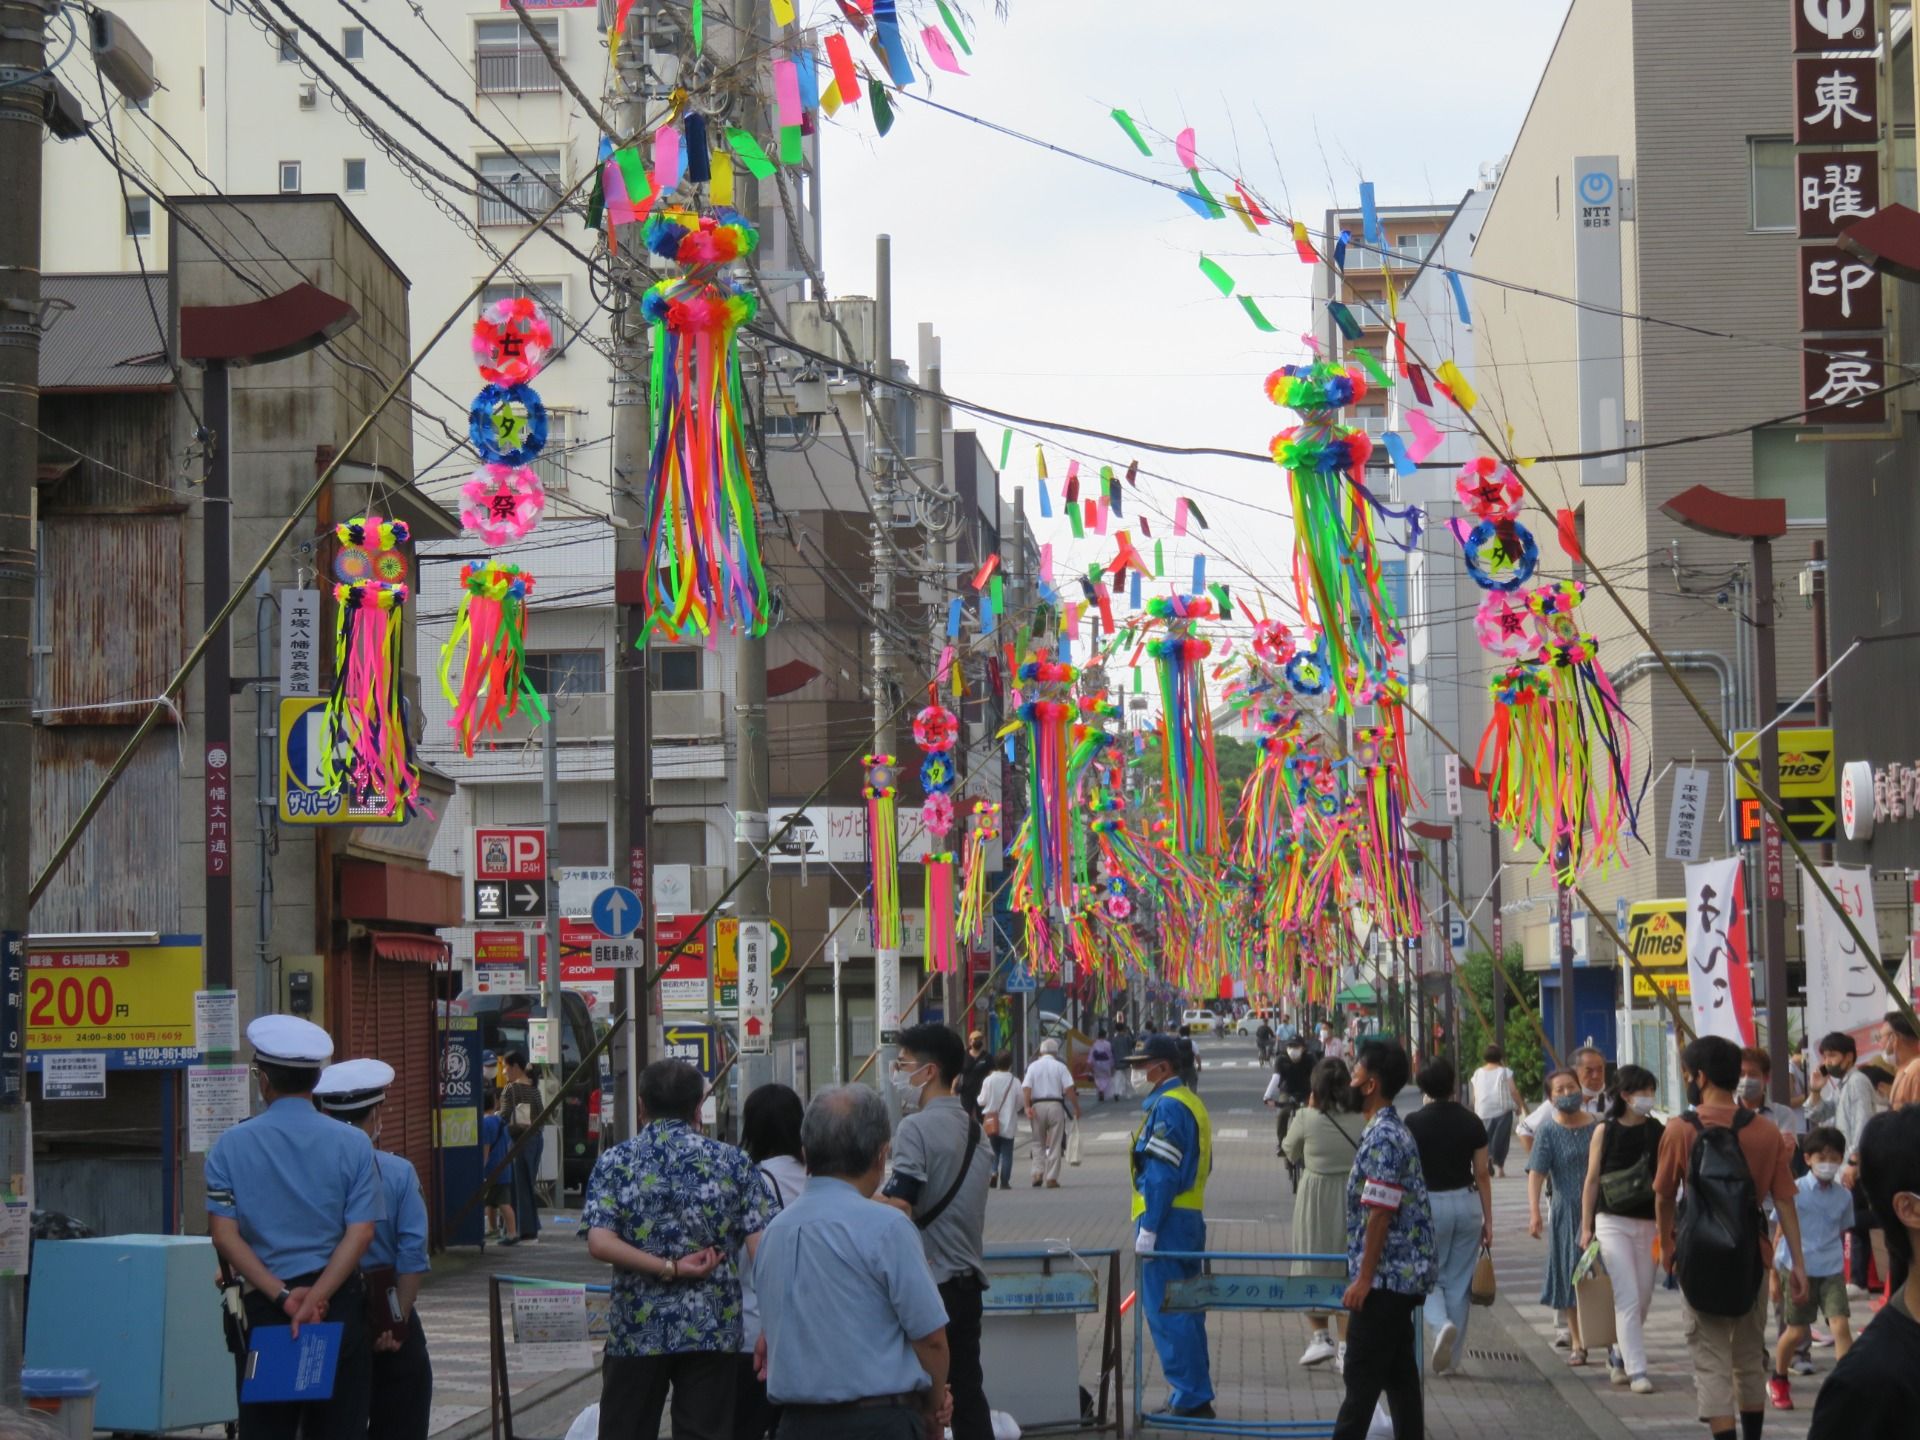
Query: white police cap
column 353, row 1086
column 289, row 1040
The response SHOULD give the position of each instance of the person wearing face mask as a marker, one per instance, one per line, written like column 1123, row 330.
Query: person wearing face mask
column 1171, row 1158
column 1287, row 1091
column 1900, row 1043
column 1331, row 1045
column 1560, row 1152
column 1756, row 1083
column 941, row 1166
column 1847, row 1104
column 1616, row 1207
column 1825, row 1210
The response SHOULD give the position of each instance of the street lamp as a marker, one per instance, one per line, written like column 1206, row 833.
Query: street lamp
column 1735, row 517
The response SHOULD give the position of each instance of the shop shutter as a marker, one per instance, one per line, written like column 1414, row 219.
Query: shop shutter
column 392, row 1019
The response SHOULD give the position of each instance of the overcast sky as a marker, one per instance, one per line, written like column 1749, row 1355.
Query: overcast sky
column 1060, row 290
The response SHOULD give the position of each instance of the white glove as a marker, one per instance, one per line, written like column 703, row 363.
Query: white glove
column 1143, row 1242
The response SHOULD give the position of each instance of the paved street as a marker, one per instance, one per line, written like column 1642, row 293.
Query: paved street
column 1514, row 1383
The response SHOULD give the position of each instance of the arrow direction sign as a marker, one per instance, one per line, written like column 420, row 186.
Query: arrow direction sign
column 616, row 912
column 1809, row 818
column 526, row 900
column 754, row 948
column 693, row 1044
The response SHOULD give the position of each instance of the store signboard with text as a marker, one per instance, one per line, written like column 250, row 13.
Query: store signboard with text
column 134, row 1002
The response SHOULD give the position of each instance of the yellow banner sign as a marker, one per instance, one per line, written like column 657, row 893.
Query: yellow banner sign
column 1806, row 763
column 1657, row 935
column 112, row 998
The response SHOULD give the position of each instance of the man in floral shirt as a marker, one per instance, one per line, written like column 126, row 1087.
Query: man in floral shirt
column 668, row 1209
column 1390, row 1253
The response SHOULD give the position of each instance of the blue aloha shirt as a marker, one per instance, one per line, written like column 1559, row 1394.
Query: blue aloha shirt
column 671, row 1191
column 1386, row 1174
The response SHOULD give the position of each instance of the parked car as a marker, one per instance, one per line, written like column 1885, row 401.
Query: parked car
column 503, row 1027
column 1250, row 1022
column 1201, row 1021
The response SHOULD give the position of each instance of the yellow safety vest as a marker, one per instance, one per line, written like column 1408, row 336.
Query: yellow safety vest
column 1195, row 1197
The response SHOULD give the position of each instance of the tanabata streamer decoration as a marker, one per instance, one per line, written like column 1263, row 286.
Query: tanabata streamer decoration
column 1336, row 573
column 493, row 683
column 367, row 753
column 1046, row 712
column 1557, row 753
column 982, row 829
column 1186, row 725
column 511, row 341
column 934, row 730
column 503, row 503
column 883, row 849
column 703, row 526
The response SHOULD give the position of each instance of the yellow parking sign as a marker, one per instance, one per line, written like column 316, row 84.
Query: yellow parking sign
column 303, row 800
column 1657, row 936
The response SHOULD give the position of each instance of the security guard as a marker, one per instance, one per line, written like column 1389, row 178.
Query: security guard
column 291, row 1205
column 395, row 1263
column 1172, row 1157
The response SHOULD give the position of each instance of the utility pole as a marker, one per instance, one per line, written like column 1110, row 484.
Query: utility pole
column 1497, row 931
column 23, row 51
column 953, row 992
column 881, row 463
column 550, row 803
column 1822, row 696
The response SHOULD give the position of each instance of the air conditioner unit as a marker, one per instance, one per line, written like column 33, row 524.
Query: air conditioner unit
column 310, row 96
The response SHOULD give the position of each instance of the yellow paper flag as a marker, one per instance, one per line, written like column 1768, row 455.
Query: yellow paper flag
column 1463, row 394
column 720, row 181
column 830, row 97
column 1040, row 461
column 783, row 11
column 1238, row 206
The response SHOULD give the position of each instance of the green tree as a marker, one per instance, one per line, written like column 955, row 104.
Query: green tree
column 1236, row 760
column 1523, row 1041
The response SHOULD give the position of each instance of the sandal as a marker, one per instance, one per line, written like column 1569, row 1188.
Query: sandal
column 1576, row 1356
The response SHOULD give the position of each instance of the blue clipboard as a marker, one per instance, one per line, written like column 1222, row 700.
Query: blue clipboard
column 281, row 1369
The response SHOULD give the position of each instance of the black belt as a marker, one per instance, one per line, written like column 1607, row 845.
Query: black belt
column 905, row 1400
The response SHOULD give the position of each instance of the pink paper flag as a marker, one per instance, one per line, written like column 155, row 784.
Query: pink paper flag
column 1183, row 147
column 939, row 51
column 666, row 159
column 1100, row 516
column 786, row 92
column 1426, row 439
column 1046, row 564
column 613, row 186
column 1180, row 516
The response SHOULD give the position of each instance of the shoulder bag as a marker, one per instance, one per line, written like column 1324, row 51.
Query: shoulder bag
column 925, row 1220
column 1631, row 1186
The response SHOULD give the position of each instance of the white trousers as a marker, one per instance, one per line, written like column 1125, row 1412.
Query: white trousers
column 1626, row 1248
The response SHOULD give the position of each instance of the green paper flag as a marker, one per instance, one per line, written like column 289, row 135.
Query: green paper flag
column 1159, row 560
column 1073, row 518
column 882, row 107
column 791, row 149
column 953, row 28
column 1260, row 322
column 1222, row 281
column 596, row 199
column 1125, row 122
column 699, row 26
column 996, row 589
column 1200, row 189
column 1006, row 447
column 1374, row 370
column 1220, row 596
column 1138, row 688
column 742, row 143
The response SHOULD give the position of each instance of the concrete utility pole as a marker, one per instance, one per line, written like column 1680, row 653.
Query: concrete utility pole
column 550, row 806
column 953, row 993
column 23, row 103
column 881, row 465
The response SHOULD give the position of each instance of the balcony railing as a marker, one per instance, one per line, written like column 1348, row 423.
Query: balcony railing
column 516, row 70
column 688, row 715
column 527, row 198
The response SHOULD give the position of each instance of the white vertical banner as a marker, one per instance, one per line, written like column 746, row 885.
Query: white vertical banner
column 1686, row 821
column 300, row 643
column 886, row 995
column 1717, row 951
column 1452, row 764
column 754, row 948
column 1843, row 993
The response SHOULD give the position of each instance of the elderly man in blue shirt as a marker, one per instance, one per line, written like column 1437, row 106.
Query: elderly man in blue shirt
column 855, row 1340
column 1172, row 1157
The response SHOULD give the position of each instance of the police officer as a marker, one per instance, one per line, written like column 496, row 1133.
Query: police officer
column 1172, row 1157
column 291, row 1205
column 395, row 1263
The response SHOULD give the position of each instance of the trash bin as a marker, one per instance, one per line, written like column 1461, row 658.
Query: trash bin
column 64, row 1397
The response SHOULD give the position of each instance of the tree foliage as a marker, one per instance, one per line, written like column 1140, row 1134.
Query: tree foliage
column 1524, row 1056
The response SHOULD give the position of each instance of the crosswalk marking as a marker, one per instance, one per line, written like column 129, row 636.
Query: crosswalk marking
column 1231, row 1134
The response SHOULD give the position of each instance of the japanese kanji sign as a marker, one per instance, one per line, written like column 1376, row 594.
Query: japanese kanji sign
column 1836, row 100
column 1842, row 381
column 1838, row 291
column 1721, row 984
column 1834, row 189
column 755, row 948
column 219, row 809
column 1842, row 991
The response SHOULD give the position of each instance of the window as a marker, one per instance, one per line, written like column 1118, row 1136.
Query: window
column 1413, row 248
column 1784, row 469
column 567, row 672
column 675, row 669
column 582, row 842
column 506, row 61
column 1770, row 179
column 289, row 48
column 530, row 182
column 556, row 461
column 289, row 177
column 355, row 179
column 139, row 217
column 353, row 43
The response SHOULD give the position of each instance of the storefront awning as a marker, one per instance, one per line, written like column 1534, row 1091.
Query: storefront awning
column 414, row 949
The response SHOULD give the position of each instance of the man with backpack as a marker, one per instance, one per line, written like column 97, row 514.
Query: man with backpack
column 1715, row 1241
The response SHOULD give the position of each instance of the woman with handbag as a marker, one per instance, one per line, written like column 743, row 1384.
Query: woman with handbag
column 521, row 1104
column 1617, row 1209
column 1560, row 1152
column 1323, row 1138
column 999, row 1115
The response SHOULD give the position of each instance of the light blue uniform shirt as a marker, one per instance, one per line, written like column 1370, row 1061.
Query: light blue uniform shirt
column 844, row 1291
column 1826, row 1213
column 294, row 1179
column 400, row 1239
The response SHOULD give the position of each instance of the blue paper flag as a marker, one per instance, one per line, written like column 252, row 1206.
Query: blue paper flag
column 1340, row 250
column 1403, row 463
column 986, row 612
column 1046, row 501
column 606, row 149
column 1066, row 646
column 887, row 25
column 1369, row 217
column 953, row 618
column 1199, row 574
column 1010, row 759
column 1196, row 204
column 809, row 80
column 1133, row 592
column 1460, row 297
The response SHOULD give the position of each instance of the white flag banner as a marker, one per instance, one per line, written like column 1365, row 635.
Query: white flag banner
column 1843, row 993
column 1687, row 820
column 1717, row 951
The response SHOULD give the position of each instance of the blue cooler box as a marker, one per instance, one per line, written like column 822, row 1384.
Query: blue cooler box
column 143, row 1314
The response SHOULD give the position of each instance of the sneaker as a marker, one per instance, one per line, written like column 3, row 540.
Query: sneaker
column 1801, row 1365
column 1822, row 1338
column 1779, row 1392
column 1641, row 1385
column 1443, row 1348
column 1563, row 1339
column 1319, row 1349
column 1616, row 1368
column 511, row 1240
column 1340, row 1359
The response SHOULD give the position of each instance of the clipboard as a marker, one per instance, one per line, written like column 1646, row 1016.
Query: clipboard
column 281, row 1369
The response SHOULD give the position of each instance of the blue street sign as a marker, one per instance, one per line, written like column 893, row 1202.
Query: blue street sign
column 1020, row 980
column 694, row 1044
column 616, row 912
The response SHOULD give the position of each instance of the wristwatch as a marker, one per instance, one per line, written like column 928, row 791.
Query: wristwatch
column 673, row 1270
column 280, row 1300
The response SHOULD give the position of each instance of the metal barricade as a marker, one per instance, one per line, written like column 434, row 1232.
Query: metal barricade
column 1232, row 1291
column 1061, row 1282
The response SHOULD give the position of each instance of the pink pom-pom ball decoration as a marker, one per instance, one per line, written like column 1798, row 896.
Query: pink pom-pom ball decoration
column 935, row 728
column 511, row 341
column 503, row 503
column 1503, row 624
column 936, row 814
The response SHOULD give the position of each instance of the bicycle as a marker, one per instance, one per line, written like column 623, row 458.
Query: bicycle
column 1287, row 1107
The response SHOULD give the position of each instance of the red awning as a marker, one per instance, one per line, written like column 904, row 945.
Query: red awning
column 415, row 949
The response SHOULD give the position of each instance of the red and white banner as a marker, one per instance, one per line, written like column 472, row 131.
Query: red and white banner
column 1717, row 966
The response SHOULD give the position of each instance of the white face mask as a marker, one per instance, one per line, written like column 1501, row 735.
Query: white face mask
column 1826, row 1169
column 908, row 1088
column 1642, row 1104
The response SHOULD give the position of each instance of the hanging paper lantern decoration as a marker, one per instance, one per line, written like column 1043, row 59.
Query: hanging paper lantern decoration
column 503, row 503
column 975, row 910
column 507, row 424
column 1046, row 714
column 703, row 521
column 492, row 683
column 883, row 850
column 1488, row 489
column 511, row 341
column 1501, row 554
column 1272, row 642
column 935, row 727
column 1504, row 625
column 367, row 753
column 1192, row 772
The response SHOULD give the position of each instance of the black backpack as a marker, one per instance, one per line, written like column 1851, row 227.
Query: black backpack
column 1717, row 1255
